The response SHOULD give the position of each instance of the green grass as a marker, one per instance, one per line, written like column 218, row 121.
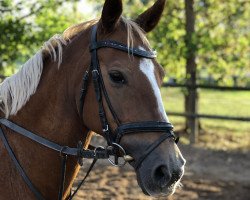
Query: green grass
column 218, row 134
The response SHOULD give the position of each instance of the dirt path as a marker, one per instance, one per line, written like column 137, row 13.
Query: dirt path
column 210, row 175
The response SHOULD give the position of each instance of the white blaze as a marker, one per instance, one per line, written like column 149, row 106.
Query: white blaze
column 147, row 67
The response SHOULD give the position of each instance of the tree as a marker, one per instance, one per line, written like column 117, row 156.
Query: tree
column 25, row 25
column 191, row 70
column 223, row 38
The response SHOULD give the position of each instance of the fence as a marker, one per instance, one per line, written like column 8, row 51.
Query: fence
column 194, row 116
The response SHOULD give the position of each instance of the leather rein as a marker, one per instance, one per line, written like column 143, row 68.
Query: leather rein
column 113, row 138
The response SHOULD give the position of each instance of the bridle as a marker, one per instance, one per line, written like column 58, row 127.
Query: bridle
column 113, row 138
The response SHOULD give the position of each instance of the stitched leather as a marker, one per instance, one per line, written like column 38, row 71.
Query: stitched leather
column 122, row 47
column 146, row 126
column 38, row 139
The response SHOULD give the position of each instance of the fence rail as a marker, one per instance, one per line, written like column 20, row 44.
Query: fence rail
column 194, row 115
column 205, row 116
column 238, row 88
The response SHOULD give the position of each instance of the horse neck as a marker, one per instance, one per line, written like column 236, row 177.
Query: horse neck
column 51, row 113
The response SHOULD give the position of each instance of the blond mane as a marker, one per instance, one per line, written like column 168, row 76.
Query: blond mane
column 16, row 90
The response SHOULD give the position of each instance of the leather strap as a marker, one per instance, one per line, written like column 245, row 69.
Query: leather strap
column 82, row 153
column 152, row 147
column 96, row 153
column 19, row 168
column 97, row 81
column 122, row 47
column 84, row 90
column 145, row 126
column 38, row 139
column 83, row 180
column 63, row 173
column 96, row 66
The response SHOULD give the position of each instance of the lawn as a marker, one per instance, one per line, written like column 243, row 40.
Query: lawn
column 216, row 134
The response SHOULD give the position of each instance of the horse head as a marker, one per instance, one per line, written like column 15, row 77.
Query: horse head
column 131, row 99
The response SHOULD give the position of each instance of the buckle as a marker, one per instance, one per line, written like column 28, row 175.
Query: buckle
column 114, row 160
column 98, row 148
column 95, row 74
column 106, row 129
column 95, row 71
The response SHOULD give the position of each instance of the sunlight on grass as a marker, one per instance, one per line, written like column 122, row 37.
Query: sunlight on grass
column 216, row 134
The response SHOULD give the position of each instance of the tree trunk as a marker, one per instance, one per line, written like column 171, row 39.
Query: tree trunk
column 191, row 95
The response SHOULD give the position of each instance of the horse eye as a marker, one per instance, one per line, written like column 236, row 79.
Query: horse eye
column 117, row 77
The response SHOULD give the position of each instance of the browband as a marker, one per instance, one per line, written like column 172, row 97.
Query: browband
column 122, row 47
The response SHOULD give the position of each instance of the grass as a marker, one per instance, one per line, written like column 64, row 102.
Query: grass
column 216, row 134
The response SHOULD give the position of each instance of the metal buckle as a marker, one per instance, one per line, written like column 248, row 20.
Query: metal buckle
column 95, row 71
column 105, row 129
column 99, row 147
column 112, row 161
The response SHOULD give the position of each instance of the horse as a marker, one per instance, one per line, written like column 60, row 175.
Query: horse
column 44, row 114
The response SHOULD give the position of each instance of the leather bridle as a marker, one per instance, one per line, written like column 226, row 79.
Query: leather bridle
column 113, row 137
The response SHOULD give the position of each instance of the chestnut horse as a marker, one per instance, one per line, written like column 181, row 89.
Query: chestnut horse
column 43, row 97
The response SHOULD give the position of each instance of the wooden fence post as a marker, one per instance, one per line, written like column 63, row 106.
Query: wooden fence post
column 191, row 96
column 193, row 120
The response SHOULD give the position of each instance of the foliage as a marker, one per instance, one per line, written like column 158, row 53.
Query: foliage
column 25, row 25
column 221, row 40
column 223, row 37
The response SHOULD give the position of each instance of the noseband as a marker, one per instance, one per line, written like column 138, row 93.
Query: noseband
column 113, row 137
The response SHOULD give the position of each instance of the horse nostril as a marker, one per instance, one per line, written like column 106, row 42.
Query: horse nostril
column 162, row 176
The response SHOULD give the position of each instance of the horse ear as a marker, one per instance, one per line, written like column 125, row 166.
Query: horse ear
column 150, row 18
column 111, row 13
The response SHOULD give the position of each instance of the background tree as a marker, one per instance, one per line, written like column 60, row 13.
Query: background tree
column 25, row 25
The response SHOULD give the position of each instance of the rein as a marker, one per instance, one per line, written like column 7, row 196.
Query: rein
column 113, row 138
